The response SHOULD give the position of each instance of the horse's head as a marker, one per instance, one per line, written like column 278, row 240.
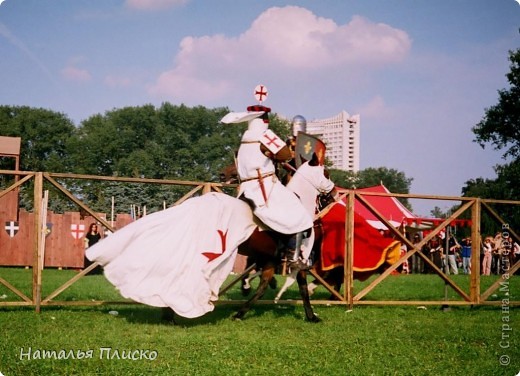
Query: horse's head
column 229, row 175
column 325, row 199
column 314, row 161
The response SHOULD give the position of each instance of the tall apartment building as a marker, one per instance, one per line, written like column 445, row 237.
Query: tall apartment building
column 340, row 134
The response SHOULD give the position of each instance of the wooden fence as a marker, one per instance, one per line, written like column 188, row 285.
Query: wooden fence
column 36, row 238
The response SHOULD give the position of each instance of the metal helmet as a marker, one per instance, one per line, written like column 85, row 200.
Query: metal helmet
column 299, row 124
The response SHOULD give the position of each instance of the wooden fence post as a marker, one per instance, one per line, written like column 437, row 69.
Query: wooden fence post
column 476, row 240
column 349, row 250
column 37, row 261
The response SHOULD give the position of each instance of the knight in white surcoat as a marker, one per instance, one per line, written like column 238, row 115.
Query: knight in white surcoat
column 273, row 204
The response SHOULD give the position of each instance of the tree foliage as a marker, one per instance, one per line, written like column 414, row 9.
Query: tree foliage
column 501, row 123
column 396, row 181
column 44, row 134
column 500, row 127
column 45, row 137
column 169, row 142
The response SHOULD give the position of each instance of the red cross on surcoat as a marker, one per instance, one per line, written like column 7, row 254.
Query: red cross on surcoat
column 272, row 141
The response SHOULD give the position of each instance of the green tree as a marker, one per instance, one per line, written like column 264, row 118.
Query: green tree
column 169, row 142
column 45, row 146
column 500, row 128
column 44, row 134
column 501, row 123
column 437, row 212
column 396, row 181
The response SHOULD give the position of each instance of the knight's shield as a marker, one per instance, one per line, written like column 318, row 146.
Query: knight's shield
column 306, row 145
column 11, row 227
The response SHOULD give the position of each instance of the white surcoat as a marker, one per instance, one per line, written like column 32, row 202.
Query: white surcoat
column 275, row 205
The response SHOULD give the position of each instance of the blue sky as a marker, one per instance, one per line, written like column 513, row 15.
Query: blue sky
column 420, row 73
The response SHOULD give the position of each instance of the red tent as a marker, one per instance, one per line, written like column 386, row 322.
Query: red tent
column 372, row 249
column 389, row 207
column 395, row 212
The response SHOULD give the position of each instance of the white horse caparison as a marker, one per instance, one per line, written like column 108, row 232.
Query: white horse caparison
column 307, row 183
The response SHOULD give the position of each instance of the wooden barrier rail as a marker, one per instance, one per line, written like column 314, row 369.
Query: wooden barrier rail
column 348, row 298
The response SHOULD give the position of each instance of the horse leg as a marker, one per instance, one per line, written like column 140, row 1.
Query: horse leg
column 301, row 277
column 267, row 274
column 312, row 287
column 246, row 283
column 291, row 278
column 168, row 315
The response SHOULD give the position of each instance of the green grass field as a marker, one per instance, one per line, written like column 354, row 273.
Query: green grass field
column 271, row 340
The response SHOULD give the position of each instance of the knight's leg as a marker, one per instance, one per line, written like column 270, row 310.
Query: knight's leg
column 306, row 247
column 302, row 250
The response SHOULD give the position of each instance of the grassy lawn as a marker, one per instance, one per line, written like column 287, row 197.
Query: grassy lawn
column 271, row 340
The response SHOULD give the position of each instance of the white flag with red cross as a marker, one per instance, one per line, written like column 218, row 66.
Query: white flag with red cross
column 77, row 230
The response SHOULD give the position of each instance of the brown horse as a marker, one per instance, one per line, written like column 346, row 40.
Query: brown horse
column 387, row 254
column 264, row 247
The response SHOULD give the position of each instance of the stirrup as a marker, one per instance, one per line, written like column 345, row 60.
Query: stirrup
column 298, row 264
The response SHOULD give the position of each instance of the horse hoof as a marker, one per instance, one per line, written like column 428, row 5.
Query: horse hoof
column 273, row 283
column 236, row 317
column 246, row 292
column 168, row 315
column 314, row 319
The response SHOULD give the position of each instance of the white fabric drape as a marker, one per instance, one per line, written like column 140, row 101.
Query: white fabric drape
column 178, row 257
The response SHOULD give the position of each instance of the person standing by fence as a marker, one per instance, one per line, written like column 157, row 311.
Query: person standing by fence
column 451, row 262
column 466, row 255
column 91, row 238
column 486, row 261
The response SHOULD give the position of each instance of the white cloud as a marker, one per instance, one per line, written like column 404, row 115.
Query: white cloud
column 376, row 109
column 153, row 4
column 71, row 73
column 280, row 41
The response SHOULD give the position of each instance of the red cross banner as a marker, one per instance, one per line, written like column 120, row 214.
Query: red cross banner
column 77, row 231
column 306, row 145
column 272, row 142
column 11, row 227
column 261, row 93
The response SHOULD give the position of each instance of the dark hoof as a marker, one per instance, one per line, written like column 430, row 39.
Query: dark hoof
column 168, row 315
column 273, row 283
column 314, row 319
column 246, row 292
column 237, row 317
